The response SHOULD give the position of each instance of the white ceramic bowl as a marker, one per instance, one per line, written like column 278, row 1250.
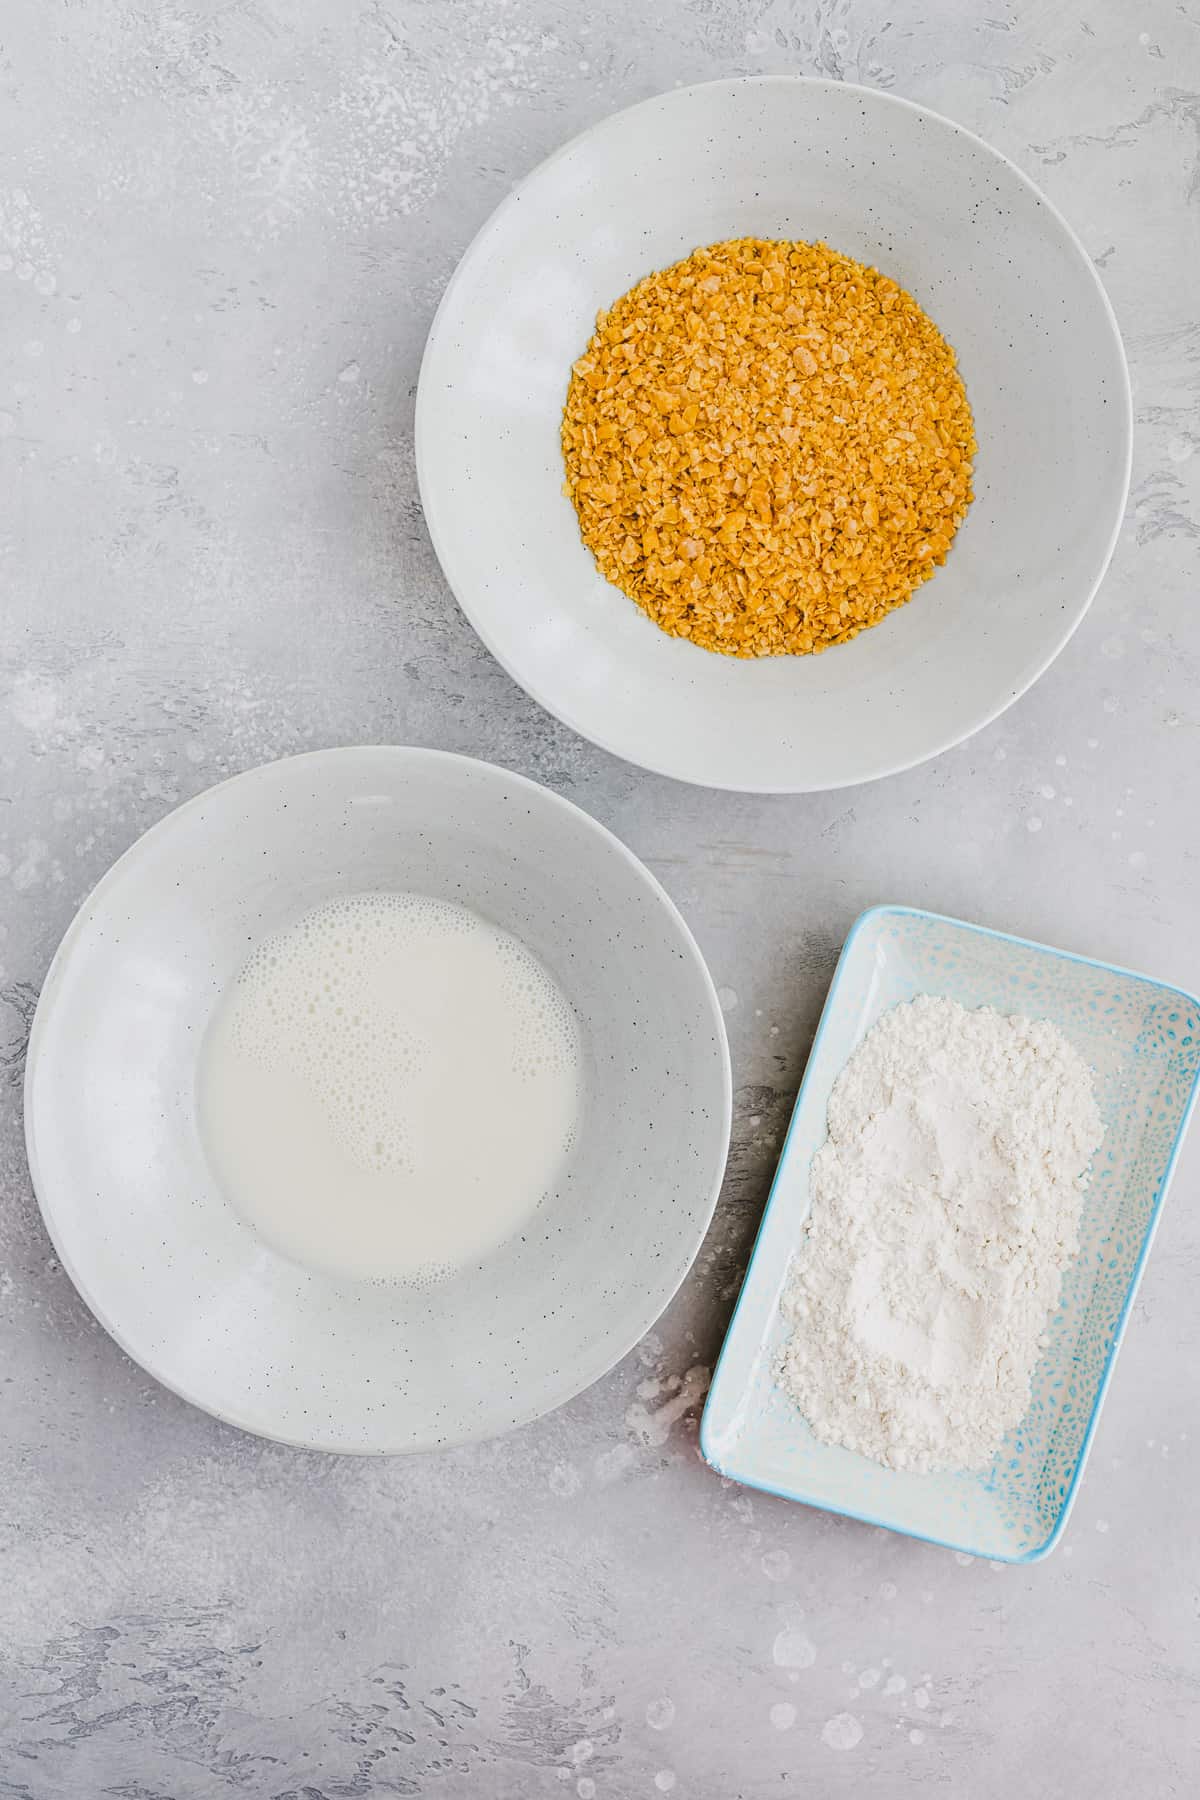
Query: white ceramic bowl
column 188, row 1289
column 993, row 264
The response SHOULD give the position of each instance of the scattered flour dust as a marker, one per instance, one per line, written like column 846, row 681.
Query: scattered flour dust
column 842, row 1732
column 945, row 1208
column 652, row 1426
column 794, row 1649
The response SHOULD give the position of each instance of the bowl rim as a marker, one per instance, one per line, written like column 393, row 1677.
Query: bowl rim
column 442, row 538
column 1039, row 1551
column 44, row 1021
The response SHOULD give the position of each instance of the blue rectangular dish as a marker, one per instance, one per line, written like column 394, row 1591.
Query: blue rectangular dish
column 1142, row 1040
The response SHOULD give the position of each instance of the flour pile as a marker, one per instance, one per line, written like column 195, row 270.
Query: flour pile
column 945, row 1207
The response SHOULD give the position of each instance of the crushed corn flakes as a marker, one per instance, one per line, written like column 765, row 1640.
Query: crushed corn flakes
column 768, row 446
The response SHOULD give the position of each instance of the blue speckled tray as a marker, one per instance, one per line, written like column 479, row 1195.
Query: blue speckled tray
column 1142, row 1039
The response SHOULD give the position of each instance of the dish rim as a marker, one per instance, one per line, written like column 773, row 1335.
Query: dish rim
column 1042, row 1550
column 43, row 1022
column 442, row 539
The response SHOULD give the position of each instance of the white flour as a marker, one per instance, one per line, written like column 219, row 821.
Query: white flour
column 945, row 1207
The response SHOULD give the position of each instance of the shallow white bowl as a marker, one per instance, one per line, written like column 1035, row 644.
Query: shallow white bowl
column 994, row 265
column 188, row 1289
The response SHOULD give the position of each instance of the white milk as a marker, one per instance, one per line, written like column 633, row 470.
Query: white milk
column 389, row 1087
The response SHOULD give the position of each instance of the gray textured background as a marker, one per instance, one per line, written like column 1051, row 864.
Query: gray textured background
column 223, row 229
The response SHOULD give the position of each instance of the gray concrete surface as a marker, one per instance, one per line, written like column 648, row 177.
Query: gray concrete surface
column 224, row 227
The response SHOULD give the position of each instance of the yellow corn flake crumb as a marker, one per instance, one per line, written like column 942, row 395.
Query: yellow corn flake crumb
column 768, row 446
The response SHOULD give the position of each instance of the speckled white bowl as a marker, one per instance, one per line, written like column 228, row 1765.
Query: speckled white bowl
column 188, row 1289
column 986, row 255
